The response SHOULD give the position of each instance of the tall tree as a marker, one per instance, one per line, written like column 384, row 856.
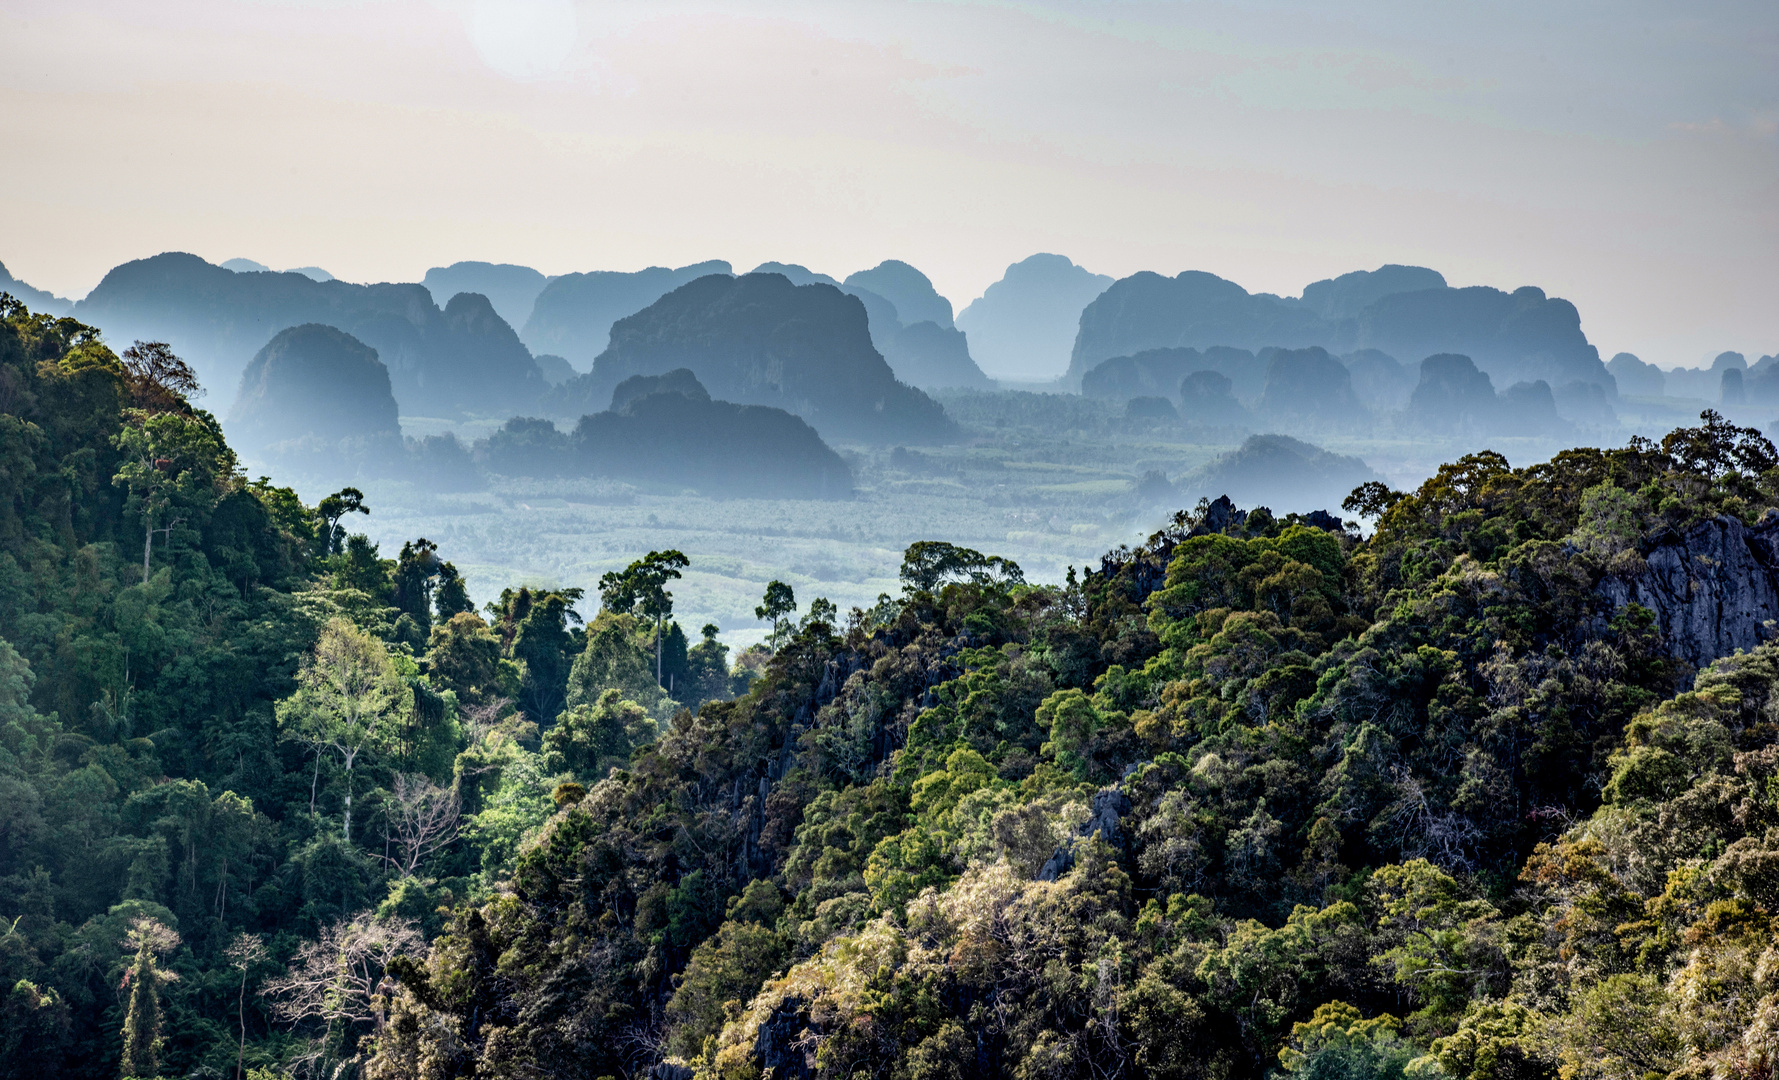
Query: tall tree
column 349, row 696
column 642, row 587
column 329, row 512
column 142, row 1019
column 244, row 954
column 158, row 380
column 171, row 468
column 779, row 603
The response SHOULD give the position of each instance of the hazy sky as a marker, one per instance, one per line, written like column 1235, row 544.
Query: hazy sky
column 1622, row 154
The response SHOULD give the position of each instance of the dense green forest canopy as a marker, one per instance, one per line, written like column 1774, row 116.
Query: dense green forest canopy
column 1260, row 795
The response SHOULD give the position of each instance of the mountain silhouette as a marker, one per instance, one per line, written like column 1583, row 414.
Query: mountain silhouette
column 572, row 317
column 1405, row 312
column 760, row 340
column 926, row 354
column 511, row 289
column 316, row 383
column 463, row 360
column 35, row 299
column 902, row 285
column 1023, row 326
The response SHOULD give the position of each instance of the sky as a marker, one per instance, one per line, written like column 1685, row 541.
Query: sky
column 1623, row 155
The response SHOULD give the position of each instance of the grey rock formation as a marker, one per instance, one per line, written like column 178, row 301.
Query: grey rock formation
column 1309, row 387
column 511, row 289
column 1104, row 821
column 1347, row 295
column 760, row 340
column 317, row 383
column 910, row 290
column 1714, row 590
column 463, row 360
column 1636, row 377
column 1023, row 326
column 572, row 317
column 1381, row 382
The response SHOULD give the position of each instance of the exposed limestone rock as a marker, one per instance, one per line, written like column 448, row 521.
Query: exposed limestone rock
column 1713, row 590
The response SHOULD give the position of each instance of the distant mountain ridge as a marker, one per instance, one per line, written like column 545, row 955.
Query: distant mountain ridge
column 33, row 298
column 1406, row 312
column 462, row 360
column 758, row 339
column 1023, row 326
column 572, row 315
column 926, row 352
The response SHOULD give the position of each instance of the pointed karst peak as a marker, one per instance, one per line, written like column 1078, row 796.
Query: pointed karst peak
column 902, row 285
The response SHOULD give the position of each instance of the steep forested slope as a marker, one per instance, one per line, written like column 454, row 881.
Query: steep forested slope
column 1256, row 795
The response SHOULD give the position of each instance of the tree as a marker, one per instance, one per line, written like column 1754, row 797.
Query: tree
column 419, row 818
column 928, row 564
column 331, row 509
column 642, row 587
column 348, row 696
column 417, row 574
column 158, row 380
column 142, row 1021
column 452, row 597
column 1371, row 499
column 170, row 460
column 776, row 606
column 335, row 978
column 244, row 954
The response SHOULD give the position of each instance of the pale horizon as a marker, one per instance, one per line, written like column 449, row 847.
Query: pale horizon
column 1629, row 164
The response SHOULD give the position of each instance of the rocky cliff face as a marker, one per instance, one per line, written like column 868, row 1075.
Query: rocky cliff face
column 1714, row 589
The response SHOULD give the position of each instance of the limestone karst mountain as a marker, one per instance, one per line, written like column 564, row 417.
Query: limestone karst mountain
column 572, row 317
column 922, row 353
column 510, row 288
column 315, row 383
column 1023, row 326
column 1308, row 387
column 761, row 340
column 910, row 290
column 1636, row 377
column 1405, row 312
column 35, row 299
column 1346, row 296
column 666, row 431
column 462, row 360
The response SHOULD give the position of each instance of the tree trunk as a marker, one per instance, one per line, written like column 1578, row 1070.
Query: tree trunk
column 657, row 650
column 147, row 547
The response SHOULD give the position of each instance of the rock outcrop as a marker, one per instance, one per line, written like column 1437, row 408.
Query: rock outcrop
column 910, row 290
column 1308, row 387
column 1714, row 589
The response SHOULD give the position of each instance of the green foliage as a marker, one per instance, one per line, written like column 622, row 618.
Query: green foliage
column 1227, row 804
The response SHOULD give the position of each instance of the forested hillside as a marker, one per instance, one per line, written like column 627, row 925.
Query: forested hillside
column 1258, row 796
